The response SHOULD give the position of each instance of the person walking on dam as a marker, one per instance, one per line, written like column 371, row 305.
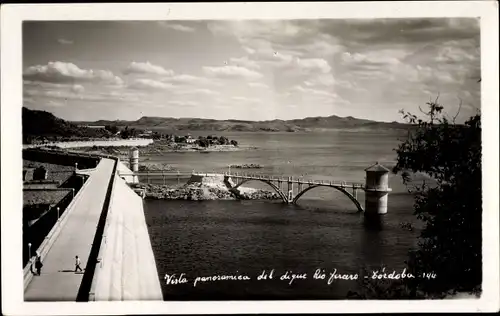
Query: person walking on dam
column 78, row 262
column 38, row 264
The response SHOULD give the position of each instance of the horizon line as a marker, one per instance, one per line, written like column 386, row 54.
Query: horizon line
column 219, row 119
column 236, row 119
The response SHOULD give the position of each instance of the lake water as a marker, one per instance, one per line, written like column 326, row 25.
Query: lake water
column 246, row 237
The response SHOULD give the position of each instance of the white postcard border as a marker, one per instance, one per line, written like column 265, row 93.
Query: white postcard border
column 11, row 94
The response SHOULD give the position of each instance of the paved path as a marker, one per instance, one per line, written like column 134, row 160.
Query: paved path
column 58, row 282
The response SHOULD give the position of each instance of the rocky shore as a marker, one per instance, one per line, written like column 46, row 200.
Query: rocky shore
column 150, row 166
column 203, row 192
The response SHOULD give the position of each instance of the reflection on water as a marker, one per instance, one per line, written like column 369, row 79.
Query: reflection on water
column 246, row 237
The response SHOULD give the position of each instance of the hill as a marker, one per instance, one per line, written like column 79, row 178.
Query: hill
column 305, row 124
column 40, row 124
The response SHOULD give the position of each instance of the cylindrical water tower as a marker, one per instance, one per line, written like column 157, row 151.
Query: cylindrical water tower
column 376, row 189
column 133, row 156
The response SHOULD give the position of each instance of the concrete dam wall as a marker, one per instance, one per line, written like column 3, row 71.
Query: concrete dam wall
column 126, row 269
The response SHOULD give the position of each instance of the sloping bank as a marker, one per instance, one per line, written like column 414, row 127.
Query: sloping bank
column 206, row 187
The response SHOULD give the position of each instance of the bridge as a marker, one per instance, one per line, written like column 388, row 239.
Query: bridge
column 285, row 186
column 290, row 189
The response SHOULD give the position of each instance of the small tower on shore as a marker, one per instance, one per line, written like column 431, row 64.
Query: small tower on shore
column 133, row 157
column 376, row 189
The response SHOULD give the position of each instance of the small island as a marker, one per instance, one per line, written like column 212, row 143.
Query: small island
column 186, row 143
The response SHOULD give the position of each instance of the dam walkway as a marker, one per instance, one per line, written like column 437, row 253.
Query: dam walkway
column 74, row 237
column 104, row 226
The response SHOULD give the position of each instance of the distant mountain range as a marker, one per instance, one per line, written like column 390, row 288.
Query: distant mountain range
column 305, row 124
column 41, row 123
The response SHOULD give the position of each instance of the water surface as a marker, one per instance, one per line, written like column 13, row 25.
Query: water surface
column 323, row 231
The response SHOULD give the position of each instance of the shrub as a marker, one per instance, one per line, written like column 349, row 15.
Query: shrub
column 450, row 243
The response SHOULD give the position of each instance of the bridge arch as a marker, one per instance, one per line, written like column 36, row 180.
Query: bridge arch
column 272, row 185
column 339, row 188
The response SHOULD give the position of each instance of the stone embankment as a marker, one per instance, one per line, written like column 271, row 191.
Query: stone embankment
column 202, row 188
column 150, row 166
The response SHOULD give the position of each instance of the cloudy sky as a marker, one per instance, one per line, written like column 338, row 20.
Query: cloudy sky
column 252, row 69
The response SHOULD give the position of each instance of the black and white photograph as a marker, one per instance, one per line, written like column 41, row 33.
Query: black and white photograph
column 269, row 159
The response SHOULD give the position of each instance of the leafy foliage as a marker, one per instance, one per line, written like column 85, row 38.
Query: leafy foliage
column 113, row 129
column 450, row 243
column 223, row 140
column 128, row 133
column 203, row 141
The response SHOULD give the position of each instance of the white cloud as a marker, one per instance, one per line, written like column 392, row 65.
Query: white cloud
column 177, row 27
column 146, row 68
column 232, row 72
column 149, row 84
column 320, row 45
column 450, row 54
column 53, row 103
column 246, row 30
column 258, row 85
column 314, row 92
column 428, row 75
column 38, row 94
column 55, row 94
column 249, row 50
column 205, row 92
column 62, row 72
column 245, row 62
column 269, row 55
column 182, row 103
column 202, row 91
column 44, row 85
column 300, row 37
column 184, row 79
column 291, row 62
column 325, row 80
column 77, row 88
column 376, row 57
column 63, row 41
column 312, row 65
column 245, row 99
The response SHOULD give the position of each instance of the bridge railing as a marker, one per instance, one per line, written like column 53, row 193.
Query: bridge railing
column 300, row 180
column 296, row 180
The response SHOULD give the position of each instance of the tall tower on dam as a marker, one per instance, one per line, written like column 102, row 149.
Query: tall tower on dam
column 133, row 157
column 376, row 189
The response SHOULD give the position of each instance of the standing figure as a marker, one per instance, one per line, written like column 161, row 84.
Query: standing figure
column 38, row 264
column 77, row 264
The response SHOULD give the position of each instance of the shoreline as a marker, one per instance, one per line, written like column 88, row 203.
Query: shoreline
column 157, row 149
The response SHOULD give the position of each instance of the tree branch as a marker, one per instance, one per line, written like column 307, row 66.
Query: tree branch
column 422, row 111
column 459, row 108
column 436, row 101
